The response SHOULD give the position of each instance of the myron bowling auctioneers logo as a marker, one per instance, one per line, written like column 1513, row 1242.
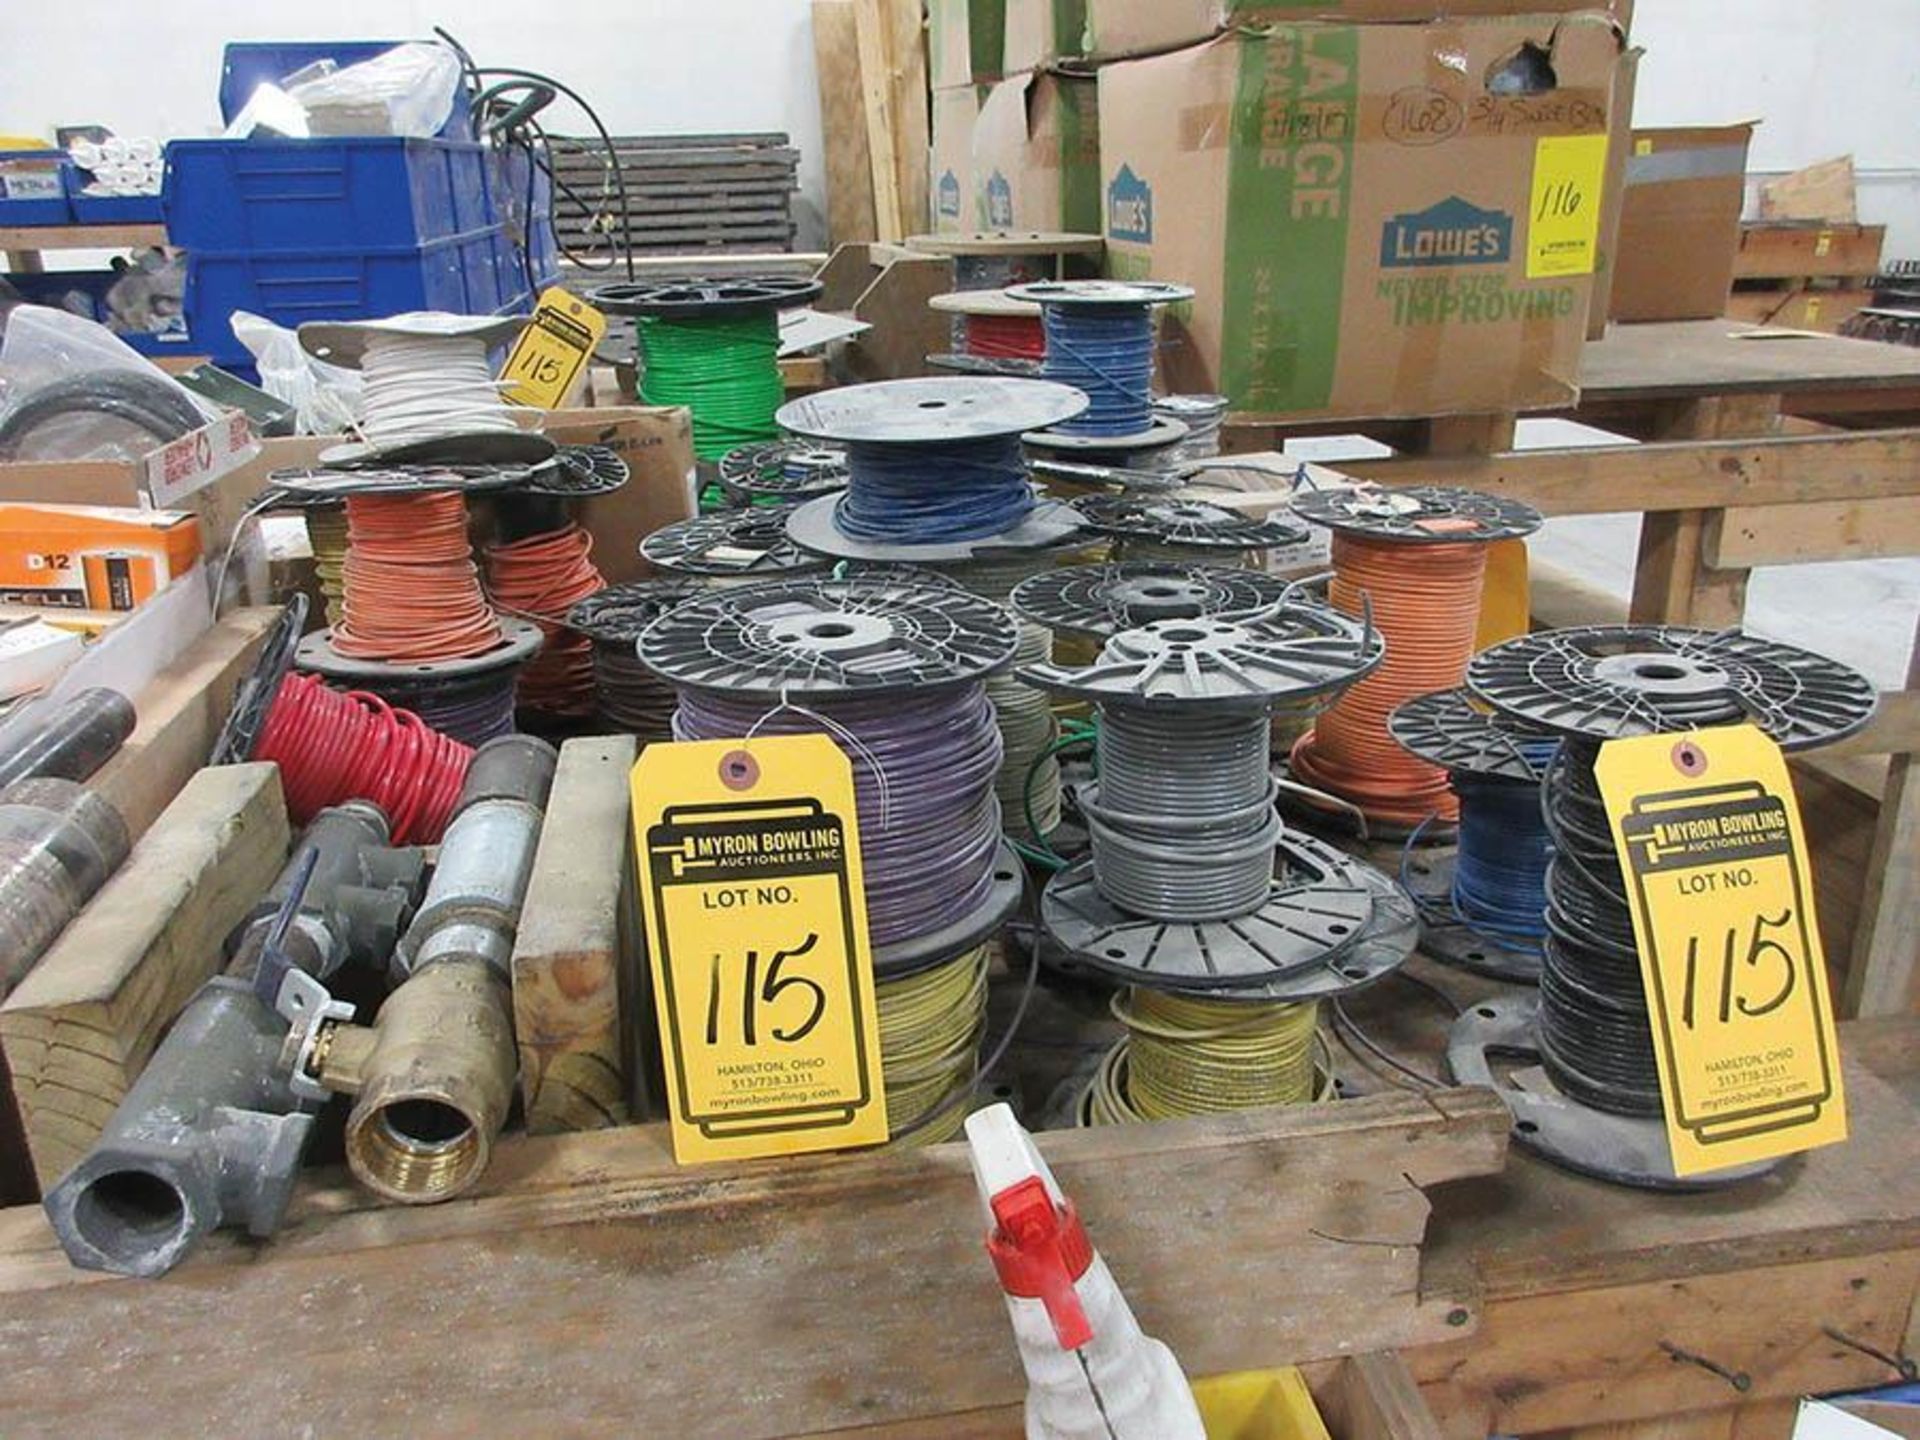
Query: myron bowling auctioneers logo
column 1130, row 208
column 1452, row 232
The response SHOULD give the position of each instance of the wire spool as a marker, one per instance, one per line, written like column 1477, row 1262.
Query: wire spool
column 630, row 699
column 733, row 547
column 327, row 539
column 1203, row 415
column 429, row 391
column 1484, row 905
column 1419, row 557
column 410, row 589
column 995, row 259
column 540, row 579
column 469, row 699
column 332, row 747
column 1597, row 1105
column 935, row 470
column 1147, row 527
column 782, row 472
column 58, row 844
column 930, row 1029
column 1187, row 1055
column 1100, row 341
column 993, row 334
column 893, row 669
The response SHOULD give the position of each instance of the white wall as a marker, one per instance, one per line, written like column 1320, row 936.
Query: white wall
column 648, row 66
column 1826, row 79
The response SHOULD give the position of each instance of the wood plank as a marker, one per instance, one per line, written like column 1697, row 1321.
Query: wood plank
column 180, row 715
column 1790, row 252
column 1744, row 536
column 569, row 965
column 847, row 162
column 876, row 94
column 82, row 1025
column 856, row 1282
column 911, row 111
column 1883, row 973
column 1692, row 358
column 17, row 238
column 1375, row 1397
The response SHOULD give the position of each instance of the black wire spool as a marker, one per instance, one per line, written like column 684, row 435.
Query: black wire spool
column 707, row 298
column 541, row 503
column 1596, row 1106
column 1102, row 600
column 742, row 545
column 782, row 472
column 1148, row 527
column 632, row 699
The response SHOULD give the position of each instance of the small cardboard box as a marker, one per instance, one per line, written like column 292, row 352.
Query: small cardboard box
column 955, row 201
column 966, row 41
column 1044, row 32
column 1116, row 29
column 1036, row 154
column 1680, row 222
column 1373, row 223
column 92, row 557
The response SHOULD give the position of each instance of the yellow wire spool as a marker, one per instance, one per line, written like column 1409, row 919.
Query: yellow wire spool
column 327, row 538
column 930, row 1028
column 1185, row 1055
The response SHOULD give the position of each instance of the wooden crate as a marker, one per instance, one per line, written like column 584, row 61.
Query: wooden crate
column 1804, row 251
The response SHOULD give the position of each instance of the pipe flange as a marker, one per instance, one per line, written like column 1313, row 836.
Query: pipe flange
column 787, row 471
column 751, row 543
column 1102, row 600
column 706, row 297
column 1189, row 524
column 1454, row 941
column 869, row 635
column 933, row 410
column 999, row 905
column 1457, row 732
column 1418, row 514
column 247, row 718
column 520, row 641
column 1607, row 682
column 1622, row 1149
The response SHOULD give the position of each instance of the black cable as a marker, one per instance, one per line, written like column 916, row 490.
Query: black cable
column 592, row 212
column 153, row 404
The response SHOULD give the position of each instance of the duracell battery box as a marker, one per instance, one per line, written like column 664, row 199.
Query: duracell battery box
column 92, row 557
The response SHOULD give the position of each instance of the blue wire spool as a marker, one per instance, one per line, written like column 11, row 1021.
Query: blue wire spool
column 1100, row 340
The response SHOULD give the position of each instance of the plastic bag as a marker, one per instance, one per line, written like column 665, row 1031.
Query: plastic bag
column 407, row 90
column 73, row 390
column 325, row 398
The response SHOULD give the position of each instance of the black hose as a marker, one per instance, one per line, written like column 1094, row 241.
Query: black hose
column 150, row 403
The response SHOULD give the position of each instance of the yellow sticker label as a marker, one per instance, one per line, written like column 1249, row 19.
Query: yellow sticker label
column 1563, row 221
column 1710, row 842
column 1643, row 147
column 749, row 856
column 1823, row 244
column 550, row 352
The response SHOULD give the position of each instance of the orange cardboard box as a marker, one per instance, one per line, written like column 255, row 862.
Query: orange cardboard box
column 92, row 557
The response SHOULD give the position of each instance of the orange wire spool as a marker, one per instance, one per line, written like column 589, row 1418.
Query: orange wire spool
column 1418, row 559
column 541, row 578
column 411, row 589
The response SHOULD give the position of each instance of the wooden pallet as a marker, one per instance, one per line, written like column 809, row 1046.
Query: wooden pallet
column 681, row 192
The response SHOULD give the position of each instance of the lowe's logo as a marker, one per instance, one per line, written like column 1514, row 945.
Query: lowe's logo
column 947, row 202
column 1452, row 232
column 999, row 203
column 1130, row 208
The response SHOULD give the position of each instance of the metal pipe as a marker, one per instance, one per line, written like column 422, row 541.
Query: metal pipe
column 71, row 740
column 214, row 1130
column 433, row 1075
column 59, row 843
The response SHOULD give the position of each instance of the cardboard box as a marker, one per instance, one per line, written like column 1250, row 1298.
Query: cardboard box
column 1797, row 250
column 1116, row 29
column 955, row 202
column 1044, row 32
column 1370, row 230
column 1619, row 147
column 1801, row 308
column 1036, row 154
column 1680, row 222
column 92, row 557
column 966, row 41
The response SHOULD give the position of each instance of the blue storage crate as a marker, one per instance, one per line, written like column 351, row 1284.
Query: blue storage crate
column 247, row 65
column 518, row 183
column 36, row 187
column 463, row 274
column 113, row 209
column 364, row 193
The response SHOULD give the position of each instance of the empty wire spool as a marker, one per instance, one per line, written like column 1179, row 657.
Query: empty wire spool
column 782, row 471
column 1102, row 600
column 749, row 544
column 1186, row 524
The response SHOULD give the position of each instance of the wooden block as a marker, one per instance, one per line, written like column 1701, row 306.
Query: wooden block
column 853, row 1284
column 843, row 124
column 1820, row 192
column 180, row 717
column 569, row 968
column 82, row 1025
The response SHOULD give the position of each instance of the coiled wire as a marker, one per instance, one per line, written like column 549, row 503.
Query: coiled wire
column 930, row 1030
column 472, row 709
column 1106, row 353
column 1186, row 1055
column 1183, row 824
column 923, row 778
column 926, row 494
column 1500, row 874
column 427, row 387
column 725, row 369
column 630, row 697
column 540, row 578
column 327, row 539
column 410, row 590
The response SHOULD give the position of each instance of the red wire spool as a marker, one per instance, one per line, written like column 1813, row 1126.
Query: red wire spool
column 1426, row 601
column 542, row 578
column 1006, row 337
column 333, row 746
column 411, row 590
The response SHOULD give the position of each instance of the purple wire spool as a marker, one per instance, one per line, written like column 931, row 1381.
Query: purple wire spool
column 892, row 668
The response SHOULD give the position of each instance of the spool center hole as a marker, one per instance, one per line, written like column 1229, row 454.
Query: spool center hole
column 831, row 630
column 1183, row 634
column 1658, row 670
column 933, row 404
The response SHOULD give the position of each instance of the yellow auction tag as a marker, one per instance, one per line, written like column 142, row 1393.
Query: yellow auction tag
column 756, row 916
column 1710, row 842
column 1563, row 223
column 547, row 357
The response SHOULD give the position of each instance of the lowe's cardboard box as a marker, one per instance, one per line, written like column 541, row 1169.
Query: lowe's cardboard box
column 1119, row 28
column 955, row 201
column 966, row 40
column 1044, row 32
column 1374, row 222
column 1036, row 154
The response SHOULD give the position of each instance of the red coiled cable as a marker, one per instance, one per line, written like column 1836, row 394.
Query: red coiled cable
column 333, row 746
column 1426, row 601
column 1006, row 337
column 410, row 589
column 542, row 578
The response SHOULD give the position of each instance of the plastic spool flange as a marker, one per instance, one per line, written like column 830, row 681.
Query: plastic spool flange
column 934, row 410
column 520, row 641
column 1190, row 524
column 323, row 484
column 247, row 718
column 616, row 615
column 1453, row 730
column 733, row 543
column 706, row 297
column 789, row 471
column 1418, row 514
column 1102, row 600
